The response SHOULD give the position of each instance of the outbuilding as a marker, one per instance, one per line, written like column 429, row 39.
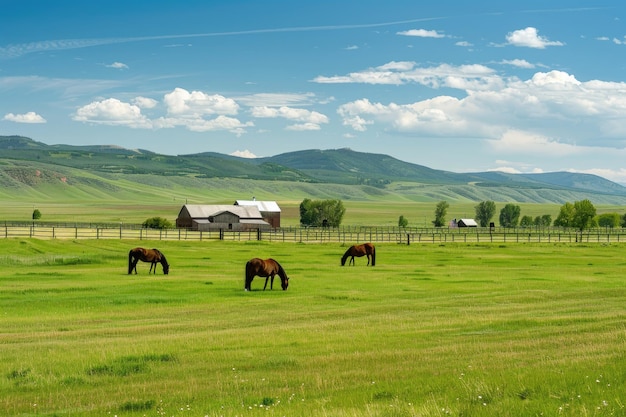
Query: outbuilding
column 270, row 211
column 467, row 223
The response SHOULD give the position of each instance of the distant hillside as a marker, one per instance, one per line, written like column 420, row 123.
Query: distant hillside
column 377, row 176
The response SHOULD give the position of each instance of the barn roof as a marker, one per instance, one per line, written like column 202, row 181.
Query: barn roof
column 203, row 211
column 270, row 206
column 467, row 222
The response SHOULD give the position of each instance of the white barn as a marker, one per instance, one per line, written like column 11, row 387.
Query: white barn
column 268, row 209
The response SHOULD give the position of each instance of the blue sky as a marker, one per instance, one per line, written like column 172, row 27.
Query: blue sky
column 534, row 86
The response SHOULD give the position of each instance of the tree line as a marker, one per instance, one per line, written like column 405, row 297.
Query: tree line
column 580, row 215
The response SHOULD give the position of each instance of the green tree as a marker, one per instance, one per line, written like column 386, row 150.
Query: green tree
column 157, row 223
column 307, row 212
column 509, row 215
column 333, row 211
column 485, row 210
column 609, row 220
column 526, row 221
column 402, row 221
column 566, row 216
column 319, row 213
column 584, row 215
column 543, row 221
column 580, row 215
column 440, row 214
column 36, row 214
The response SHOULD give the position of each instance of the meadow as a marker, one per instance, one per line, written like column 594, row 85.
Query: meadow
column 431, row 330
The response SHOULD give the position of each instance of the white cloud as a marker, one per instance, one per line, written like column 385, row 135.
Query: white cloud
column 277, row 99
column 145, row 102
column 117, row 65
column 181, row 102
column 112, row 111
column 219, row 123
column 421, row 33
column 405, row 72
column 530, row 38
column 520, row 142
column 615, row 175
column 519, row 63
column 304, row 127
column 552, row 104
column 194, row 111
column 30, row 117
column 311, row 119
column 244, row 154
column 464, row 43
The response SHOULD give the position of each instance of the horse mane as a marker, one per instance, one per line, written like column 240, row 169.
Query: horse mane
column 281, row 270
column 163, row 259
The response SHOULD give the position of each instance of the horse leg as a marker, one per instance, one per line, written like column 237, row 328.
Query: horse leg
column 266, row 279
column 368, row 259
column 134, row 266
column 351, row 261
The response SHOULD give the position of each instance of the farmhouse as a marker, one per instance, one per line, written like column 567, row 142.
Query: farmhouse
column 269, row 210
column 220, row 217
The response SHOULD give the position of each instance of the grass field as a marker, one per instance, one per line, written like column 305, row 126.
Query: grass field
column 359, row 213
column 431, row 330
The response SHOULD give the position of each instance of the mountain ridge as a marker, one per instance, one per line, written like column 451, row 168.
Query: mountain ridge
column 342, row 166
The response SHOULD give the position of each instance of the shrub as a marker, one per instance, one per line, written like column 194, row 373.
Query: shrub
column 157, row 223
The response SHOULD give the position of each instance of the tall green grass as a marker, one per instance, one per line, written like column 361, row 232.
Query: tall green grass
column 431, row 330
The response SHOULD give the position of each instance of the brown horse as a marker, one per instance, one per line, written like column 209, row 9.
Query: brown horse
column 147, row 255
column 360, row 250
column 265, row 268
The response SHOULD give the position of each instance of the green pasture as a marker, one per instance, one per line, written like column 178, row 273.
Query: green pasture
column 431, row 330
column 358, row 213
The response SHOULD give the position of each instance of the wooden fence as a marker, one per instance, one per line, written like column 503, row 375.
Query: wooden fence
column 322, row 235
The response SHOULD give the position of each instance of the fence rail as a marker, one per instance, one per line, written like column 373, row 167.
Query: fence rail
column 321, row 235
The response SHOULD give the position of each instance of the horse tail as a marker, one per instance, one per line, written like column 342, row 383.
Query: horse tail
column 373, row 255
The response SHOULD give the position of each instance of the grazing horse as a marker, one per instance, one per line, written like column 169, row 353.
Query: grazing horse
column 360, row 250
column 265, row 268
column 147, row 255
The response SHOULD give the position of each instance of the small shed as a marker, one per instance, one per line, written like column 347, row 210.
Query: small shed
column 270, row 211
column 467, row 223
column 220, row 217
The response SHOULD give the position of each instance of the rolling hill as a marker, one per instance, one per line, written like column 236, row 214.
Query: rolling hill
column 31, row 167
